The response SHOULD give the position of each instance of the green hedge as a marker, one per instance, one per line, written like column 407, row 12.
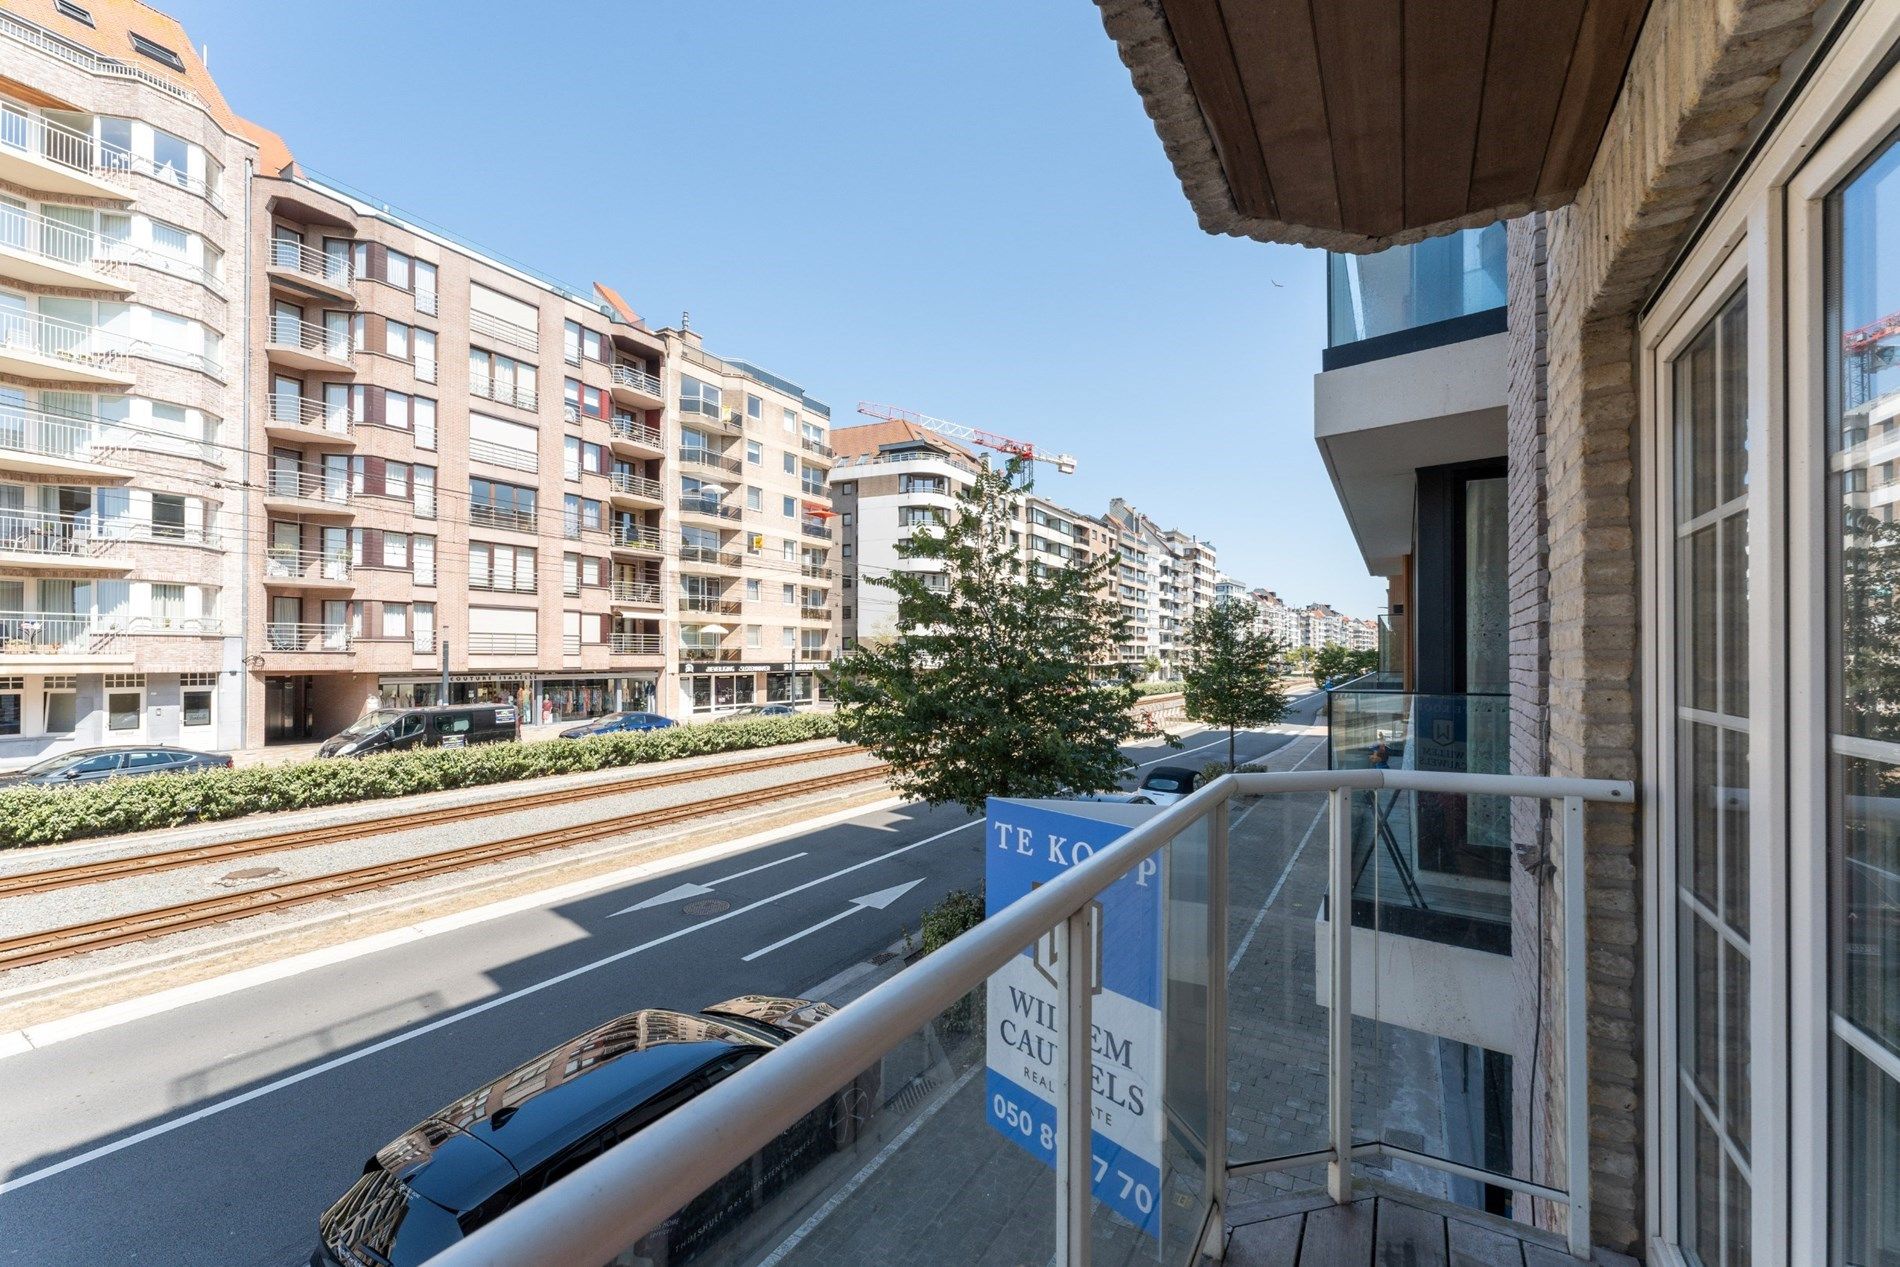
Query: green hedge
column 44, row 816
column 1158, row 688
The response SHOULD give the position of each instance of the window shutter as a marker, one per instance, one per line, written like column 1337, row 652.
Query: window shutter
column 372, row 552
column 374, row 473
column 376, row 405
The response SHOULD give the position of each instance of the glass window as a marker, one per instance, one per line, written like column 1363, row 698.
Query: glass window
column 754, row 452
column 123, row 708
column 196, row 710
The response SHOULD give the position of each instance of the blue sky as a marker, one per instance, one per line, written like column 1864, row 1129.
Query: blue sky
column 958, row 208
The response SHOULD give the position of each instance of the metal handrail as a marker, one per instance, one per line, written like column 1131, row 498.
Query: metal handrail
column 636, row 432
column 633, row 643
column 644, row 592
column 62, row 340
column 306, row 411
column 699, row 456
column 26, row 429
column 637, row 379
column 637, row 485
column 87, row 60
column 284, row 563
column 506, row 331
column 489, row 515
column 489, row 388
column 295, row 332
column 308, row 484
column 635, row 538
column 611, row 1202
column 292, row 636
column 331, row 270
column 708, row 506
column 504, row 455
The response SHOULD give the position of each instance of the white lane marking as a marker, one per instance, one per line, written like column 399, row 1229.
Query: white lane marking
column 1280, row 883
column 680, row 892
column 487, row 1005
column 871, row 1167
column 870, row 901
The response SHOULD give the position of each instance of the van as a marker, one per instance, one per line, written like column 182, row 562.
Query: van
column 398, row 729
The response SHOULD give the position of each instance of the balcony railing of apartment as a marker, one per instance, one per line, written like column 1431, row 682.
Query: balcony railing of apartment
column 706, row 554
column 112, row 258
column 49, row 533
column 636, row 380
column 309, row 484
column 504, row 455
column 512, row 584
column 288, row 636
column 86, row 60
column 627, row 538
column 637, row 485
column 295, row 332
column 506, row 331
column 634, row 643
column 818, row 530
column 570, row 644
column 716, row 655
column 290, row 409
column 287, row 563
column 713, row 506
column 851, row 1086
column 705, row 605
column 636, row 432
column 637, row 592
column 24, row 429
column 501, row 643
column 815, row 655
column 506, row 393
column 62, row 145
column 817, row 447
column 697, row 456
column 902, row 459
column 814, row 613
column 295, row 257
column 488, row 515
column 426, row 304
column 814, row 573
column 64, row 340
column 46, row 633
column 1411, row 297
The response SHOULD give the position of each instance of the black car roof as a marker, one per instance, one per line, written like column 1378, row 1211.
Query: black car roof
column 1175, row 771
column 461, row 1155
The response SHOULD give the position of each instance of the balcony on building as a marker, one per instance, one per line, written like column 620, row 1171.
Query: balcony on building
column 503, row 390
column 38, row 541
column 642, row 643
column 308, row 271
column 305, row 345
column 717, row 509
column 288, row 567
column 40, row 152
column 287, row 638
column 47, row 349
column 52, row 442
column 709, row 559
column 44, row 641
column 637, row 593
column 41, row 251
column 694, row 603
column 633, row 385
column 309, row 488
column 635, row 539
column 630, row 436
column 704, row 458
column 308, row 420
column 626, row 488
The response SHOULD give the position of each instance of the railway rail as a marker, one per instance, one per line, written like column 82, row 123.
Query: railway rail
column 276, row 842
column 59, row 943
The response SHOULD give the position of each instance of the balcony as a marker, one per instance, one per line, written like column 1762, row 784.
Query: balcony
column 1130, row 1050
column 811, row 572
column 637, row 387
column 503, row 392
column 291, row 568
column 640, row 437
column 308, row 489
column 706, row 459
column 45, row 252
column 1407, row 298
column 637, row 594
column 504, row 331
column 709, row 508
column 47, row 349
column 705, row 605
column 503, row 455
column 282, row 637
column 712, row 655
column 295, row 342
column 822, row 614
column 43, row 541
column 42, row 636
column 38, row 153
column 700, row 558
column 308, row 269
column 634, row 644
column 625, row 486
column 48, row 443
column 289, row 416
column 816, row 447
column 504, row 644
column 818, row 530
column 507, row 518
column 644, row 540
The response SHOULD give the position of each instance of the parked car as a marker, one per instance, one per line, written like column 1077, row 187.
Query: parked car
column 617, row 723
column 94, row 765
column 1166, row 784
column 1113, row 798
column 496, row 1147
column 448, row 726
column 758, row 710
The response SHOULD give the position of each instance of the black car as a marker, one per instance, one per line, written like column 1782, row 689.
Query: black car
column 445, row 726
column 94, row 765
column 618, row 723
column 499, row 1145
column 758, row 710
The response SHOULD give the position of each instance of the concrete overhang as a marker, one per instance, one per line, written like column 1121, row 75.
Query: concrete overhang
column 1378, row 422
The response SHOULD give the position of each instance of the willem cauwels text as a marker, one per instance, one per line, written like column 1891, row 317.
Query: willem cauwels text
column 1030, row 1028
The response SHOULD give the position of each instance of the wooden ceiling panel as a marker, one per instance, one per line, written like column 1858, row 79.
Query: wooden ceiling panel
column 1279, row 66
column 1529, row 59
column 1605, row 37
column 1445, row 45
column 1213, row 68
column 1362, row 65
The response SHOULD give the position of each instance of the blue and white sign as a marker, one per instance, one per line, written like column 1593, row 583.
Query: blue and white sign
column 1029, row 843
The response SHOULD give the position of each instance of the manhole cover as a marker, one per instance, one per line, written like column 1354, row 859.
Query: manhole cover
column 249, row 873
column 708, row 906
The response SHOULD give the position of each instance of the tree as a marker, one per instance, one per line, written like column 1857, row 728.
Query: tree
column 1230, row 677
column 1003, row 680
column 1337, row 660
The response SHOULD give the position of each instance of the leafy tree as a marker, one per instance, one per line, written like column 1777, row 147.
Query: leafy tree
column 1003, row 681
column 1230, row 677
column 1336, row 660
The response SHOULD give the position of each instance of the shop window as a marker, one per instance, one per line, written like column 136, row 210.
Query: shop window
column 10, row 688
column 196, row 698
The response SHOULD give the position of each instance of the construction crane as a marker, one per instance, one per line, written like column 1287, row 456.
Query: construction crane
column 957, row 431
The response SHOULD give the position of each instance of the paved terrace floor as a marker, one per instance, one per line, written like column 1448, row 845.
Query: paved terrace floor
column 1384, row 1230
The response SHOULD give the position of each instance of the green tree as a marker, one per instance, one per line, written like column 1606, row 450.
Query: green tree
column 1002, row 680
column 1230, row 678
column 1337, row 660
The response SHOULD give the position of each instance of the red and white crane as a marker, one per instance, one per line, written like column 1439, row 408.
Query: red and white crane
column 1063, row 462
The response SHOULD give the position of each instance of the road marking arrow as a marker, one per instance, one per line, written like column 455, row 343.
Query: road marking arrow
column 681, row 892
column 878, row 900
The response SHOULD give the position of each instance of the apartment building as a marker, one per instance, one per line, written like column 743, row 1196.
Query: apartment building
column 752, row 588
column 122, row 533
column 1183, row 569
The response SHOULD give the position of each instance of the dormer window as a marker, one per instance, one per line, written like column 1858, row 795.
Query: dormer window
column 157, row 52
column 73, row 11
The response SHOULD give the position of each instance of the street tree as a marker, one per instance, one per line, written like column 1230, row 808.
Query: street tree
column 1003, row 679
column 1231, row 677
column 1337, row 660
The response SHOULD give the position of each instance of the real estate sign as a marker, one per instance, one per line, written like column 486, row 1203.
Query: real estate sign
column 1028, row 844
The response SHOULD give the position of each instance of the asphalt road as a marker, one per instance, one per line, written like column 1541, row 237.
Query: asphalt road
column 217, row 1132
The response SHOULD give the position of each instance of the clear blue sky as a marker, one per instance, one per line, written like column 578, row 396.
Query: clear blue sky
column 958, row 208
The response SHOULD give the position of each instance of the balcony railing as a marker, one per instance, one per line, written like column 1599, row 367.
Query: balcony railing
column 294, row 332
column 295, row 257
column 310, row 484
column 64, row 340
column 24, row 429
column 506, row 393
column 696, row 456
column 49, row 533
column 501, row 643
column 46, row 633
column 634, row 643
column 1185, row 1101
column 814, row 655
column 706, row 605
column 716, row 655
column 713, row 506
column 504, row 455
column 485, row 515
column 814, row 573
column 86, row 60
column 637, row 485
column 815, row 530
column 636, row 380
column 636, row 432
column 284, row 563
column 637, row 592
column 818, row 447
column 1408, row 287
column 288, row 636
column 814, row 613
column 290, row 409
column 506, row 331
column 706, row 554
column 63, row 146
column 627, row 538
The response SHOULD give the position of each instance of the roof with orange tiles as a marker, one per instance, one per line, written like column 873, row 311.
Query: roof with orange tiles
column 114, row 22
column 273, row 154
column 618, row 304
column 870, row 437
